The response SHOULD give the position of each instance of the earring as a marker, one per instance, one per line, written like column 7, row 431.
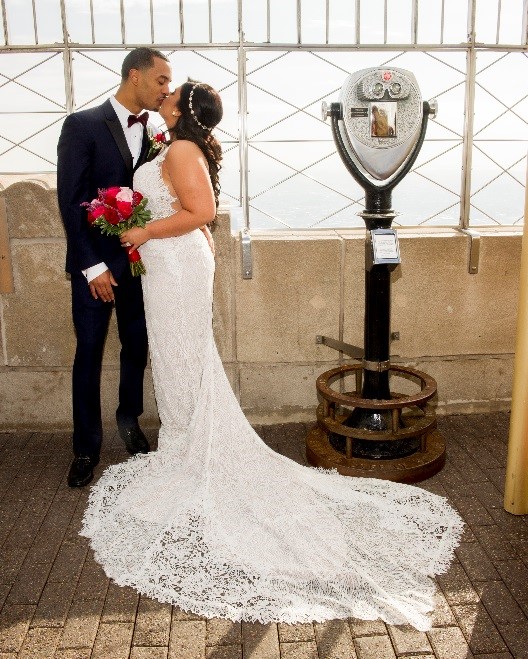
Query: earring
column 174, row 113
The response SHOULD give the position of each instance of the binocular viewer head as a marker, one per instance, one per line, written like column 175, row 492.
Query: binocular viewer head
column 379, row 122
column 388, row 84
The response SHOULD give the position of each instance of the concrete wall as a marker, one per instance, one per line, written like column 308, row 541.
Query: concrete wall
column 457, row 327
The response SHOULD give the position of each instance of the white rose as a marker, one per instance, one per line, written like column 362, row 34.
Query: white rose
column 125, row 194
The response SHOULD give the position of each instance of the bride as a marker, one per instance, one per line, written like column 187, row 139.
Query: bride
column 214, row 521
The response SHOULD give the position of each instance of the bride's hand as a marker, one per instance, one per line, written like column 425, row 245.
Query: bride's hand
column 209, row 237
column 134, row 237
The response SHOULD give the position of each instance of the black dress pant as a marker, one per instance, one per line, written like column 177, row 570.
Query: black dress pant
column 91, row 318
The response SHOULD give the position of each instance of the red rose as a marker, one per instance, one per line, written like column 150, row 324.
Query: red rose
column 111, row 215
column 109, row 196
column 134, row 256
column 91, row 217
column 97, row 212
column 125, row 208
column 160, row 137
column 136, row 198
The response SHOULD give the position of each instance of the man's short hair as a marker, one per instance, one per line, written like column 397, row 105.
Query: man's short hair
column 140, row 58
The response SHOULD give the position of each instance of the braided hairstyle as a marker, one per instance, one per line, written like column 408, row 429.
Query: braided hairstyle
column 201, row 110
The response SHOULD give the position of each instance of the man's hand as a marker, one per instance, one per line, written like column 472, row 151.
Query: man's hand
column 101, row 287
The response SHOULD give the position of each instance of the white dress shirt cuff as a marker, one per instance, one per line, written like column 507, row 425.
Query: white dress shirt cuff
column 94, row 271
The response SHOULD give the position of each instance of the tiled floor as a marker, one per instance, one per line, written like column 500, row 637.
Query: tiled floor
column 55, row 601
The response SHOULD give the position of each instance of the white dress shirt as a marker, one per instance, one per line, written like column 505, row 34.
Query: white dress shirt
column 134, row 138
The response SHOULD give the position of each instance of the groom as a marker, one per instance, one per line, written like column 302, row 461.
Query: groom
column 100, row 148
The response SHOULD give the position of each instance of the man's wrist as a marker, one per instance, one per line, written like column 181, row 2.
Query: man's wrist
column 94, row 271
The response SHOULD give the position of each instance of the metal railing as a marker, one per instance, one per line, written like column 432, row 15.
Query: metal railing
column 388, row 30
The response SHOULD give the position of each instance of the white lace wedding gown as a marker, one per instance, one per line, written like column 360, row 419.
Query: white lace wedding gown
column 216, row 522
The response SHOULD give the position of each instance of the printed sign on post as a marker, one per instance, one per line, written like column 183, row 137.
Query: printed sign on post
column 385, row 246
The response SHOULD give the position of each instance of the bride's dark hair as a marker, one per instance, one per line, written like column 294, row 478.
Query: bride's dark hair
column 201, row 110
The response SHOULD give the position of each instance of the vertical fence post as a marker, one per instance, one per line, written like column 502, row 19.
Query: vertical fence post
column 242, row 118
column 469, row 110
column 516, row 488
column 67, row 60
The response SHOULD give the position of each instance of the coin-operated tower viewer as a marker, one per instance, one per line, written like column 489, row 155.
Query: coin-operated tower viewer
column 378, row 126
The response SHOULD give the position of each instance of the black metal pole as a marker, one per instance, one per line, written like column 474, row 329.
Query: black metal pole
column 376, row 322
column 376, row 331
column 377, row 215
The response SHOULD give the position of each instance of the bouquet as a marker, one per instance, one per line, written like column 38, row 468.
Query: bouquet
column 116, row 210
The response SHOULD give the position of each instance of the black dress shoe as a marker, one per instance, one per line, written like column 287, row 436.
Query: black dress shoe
column 132, row 435
column 81, row 470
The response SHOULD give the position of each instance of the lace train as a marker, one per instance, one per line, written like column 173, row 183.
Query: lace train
column 218, row 523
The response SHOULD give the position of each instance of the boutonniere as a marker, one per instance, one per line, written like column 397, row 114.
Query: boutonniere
column 156, row 143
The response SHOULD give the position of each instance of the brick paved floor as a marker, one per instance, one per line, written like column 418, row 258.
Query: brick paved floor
column 56, row 602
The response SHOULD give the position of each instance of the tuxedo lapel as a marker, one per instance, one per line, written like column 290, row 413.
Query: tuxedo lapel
column 115, row 128
column 144, row 149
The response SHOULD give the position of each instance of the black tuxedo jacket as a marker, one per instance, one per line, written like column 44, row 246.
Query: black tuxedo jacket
column 92, row 153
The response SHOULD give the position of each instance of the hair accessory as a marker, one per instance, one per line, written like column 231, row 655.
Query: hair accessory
column 192, row 111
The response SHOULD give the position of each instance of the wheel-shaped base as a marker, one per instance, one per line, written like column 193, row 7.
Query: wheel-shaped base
column 410, row 469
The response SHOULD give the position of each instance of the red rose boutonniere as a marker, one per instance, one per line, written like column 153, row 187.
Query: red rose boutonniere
column 116, row 210
column 156, row 143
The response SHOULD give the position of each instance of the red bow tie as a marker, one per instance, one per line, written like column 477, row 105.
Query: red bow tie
column 142, row 119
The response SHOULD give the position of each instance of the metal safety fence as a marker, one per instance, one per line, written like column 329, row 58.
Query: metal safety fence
column 274, row 62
